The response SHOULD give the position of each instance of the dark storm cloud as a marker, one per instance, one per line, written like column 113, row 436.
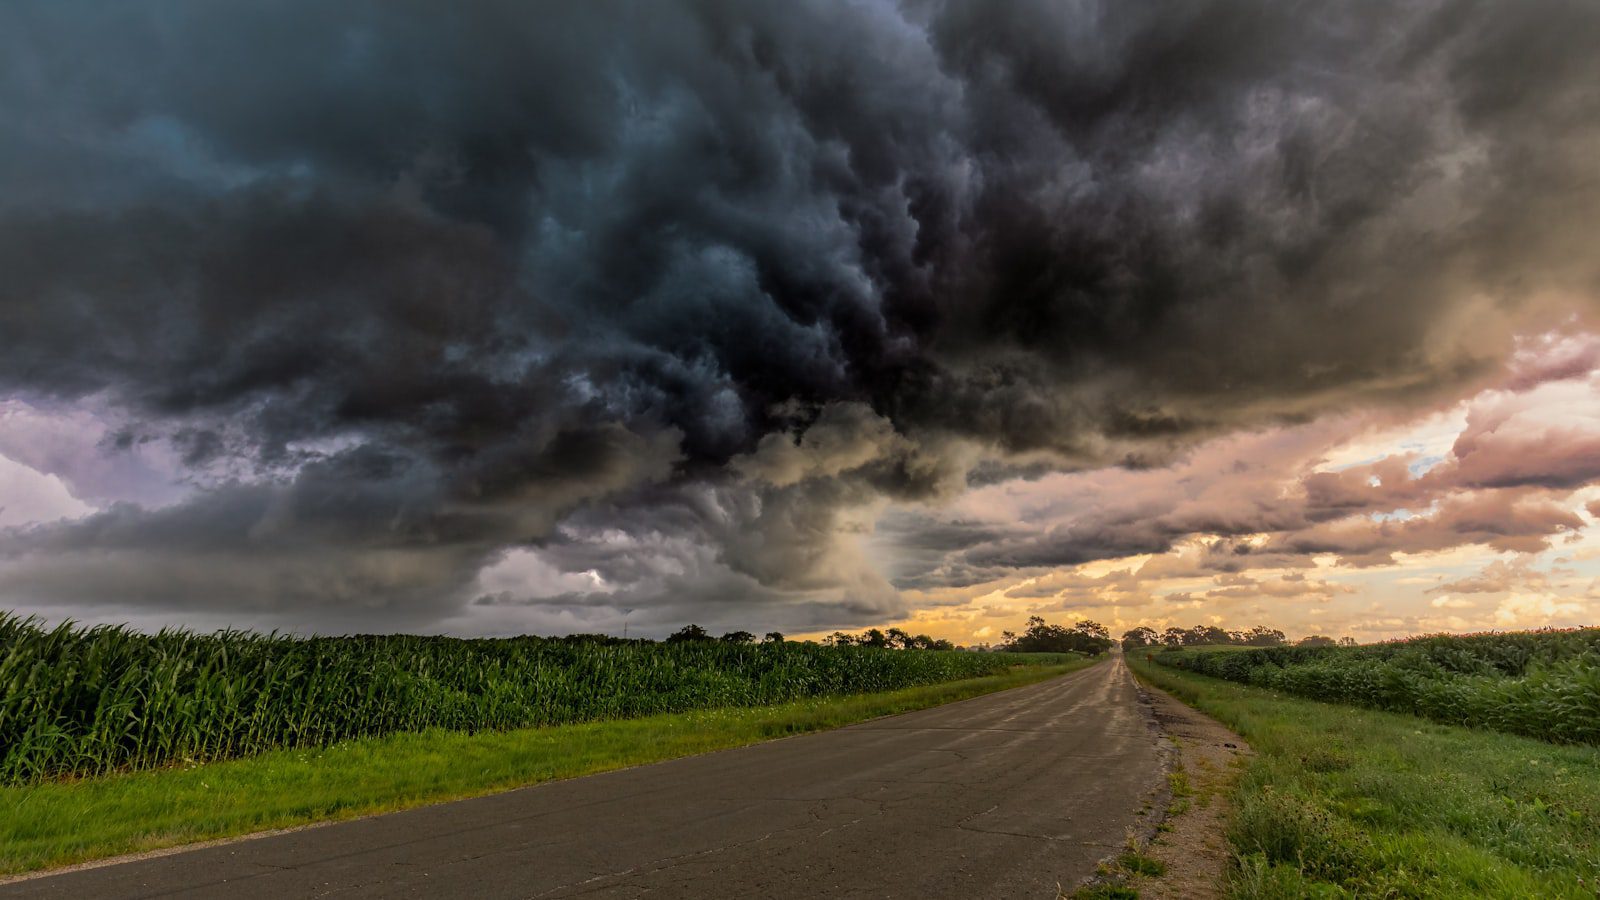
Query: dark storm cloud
column 784, row 259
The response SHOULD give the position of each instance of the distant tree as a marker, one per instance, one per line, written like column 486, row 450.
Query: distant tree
column 872, row 637
column 774, row 637
column 1042, row 638
column 1173, row 637
column 1262, row 636
column 1143, row 636
column 941, row 644
column 1316, row 640
column 1093, row 629
column 1347, row 642
column 898, row 639
column 839, row 639
column 738, row 637
column 688, row 633
column 1205, row 634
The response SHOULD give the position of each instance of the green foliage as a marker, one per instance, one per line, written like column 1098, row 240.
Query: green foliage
column 1201, row 635
column 1543, row 684
column 1346, row 802
column 1139, row 864
column 1084, row 637
column 689, row 632
column 91, row 701
column 895, row 638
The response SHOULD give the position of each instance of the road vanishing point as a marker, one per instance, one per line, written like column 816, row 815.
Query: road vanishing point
column 1008, row 795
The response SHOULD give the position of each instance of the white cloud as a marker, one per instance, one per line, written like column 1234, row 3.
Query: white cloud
column 28, row 496
column 1541, row 610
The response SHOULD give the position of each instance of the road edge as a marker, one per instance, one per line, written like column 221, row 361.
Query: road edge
column 1183, row 852
column 173, row 849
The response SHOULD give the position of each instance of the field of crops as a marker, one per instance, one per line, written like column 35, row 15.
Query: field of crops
column 1543, row 684
column 90, row 701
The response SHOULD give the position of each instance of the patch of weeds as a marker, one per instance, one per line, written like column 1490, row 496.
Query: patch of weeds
column 1325, row 759
column 1291, row 828
column 1137, row 863
column 1256, row 878
column 1182, row 792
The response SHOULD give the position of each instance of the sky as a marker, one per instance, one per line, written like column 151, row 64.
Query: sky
column 525, row 317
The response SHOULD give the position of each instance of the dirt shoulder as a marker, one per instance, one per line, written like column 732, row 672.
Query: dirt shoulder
column 1187, row 854
column 1192, row 843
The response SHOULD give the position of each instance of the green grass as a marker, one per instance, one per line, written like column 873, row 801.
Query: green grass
column 1348, row 802
column 60, row 822
column 1139, row 864
column 1541, row 684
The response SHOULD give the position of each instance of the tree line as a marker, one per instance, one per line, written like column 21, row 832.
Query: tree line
column 1211, row 635
column 1086, row 637
column 890, row 639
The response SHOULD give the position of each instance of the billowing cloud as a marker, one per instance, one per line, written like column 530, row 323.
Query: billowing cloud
column 773, row 303
column 34, row 496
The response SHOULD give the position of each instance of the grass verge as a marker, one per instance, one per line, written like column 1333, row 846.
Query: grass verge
column 1341, row 801
column 63, row 822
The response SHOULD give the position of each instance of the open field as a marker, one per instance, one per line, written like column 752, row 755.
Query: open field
column 61, row 822
column 100, row 700
column 1341, row 801
column 1542, row 684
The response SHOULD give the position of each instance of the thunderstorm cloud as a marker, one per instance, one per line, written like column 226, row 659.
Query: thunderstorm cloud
column 550, row 316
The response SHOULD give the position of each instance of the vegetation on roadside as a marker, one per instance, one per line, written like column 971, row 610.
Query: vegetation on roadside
column 62, row 822
column 97, row 700
column 1543, row 684
column 1342, row 802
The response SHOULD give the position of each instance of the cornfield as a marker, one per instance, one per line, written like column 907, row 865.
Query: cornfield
column 87, row 701
column 1542, row 684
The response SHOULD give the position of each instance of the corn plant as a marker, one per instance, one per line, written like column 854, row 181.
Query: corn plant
column 88, row 701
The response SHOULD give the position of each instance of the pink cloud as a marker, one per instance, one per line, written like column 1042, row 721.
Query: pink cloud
column 1553, row 356
column 1267, row 500
column 1502, row 447
column 1503, row 520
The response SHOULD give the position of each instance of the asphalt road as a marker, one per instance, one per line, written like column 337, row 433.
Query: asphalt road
column 1006, row 795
